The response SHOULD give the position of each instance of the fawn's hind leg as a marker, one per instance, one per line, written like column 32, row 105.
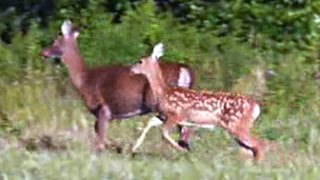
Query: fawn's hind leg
column 166, row 130
column 186, row 134
column 248, row 141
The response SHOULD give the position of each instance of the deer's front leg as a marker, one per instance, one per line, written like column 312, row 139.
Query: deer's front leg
column 170, row 123
column 103, row 118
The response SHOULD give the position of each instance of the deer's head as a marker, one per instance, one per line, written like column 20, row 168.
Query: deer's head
column 148, row 65
column 64, row 42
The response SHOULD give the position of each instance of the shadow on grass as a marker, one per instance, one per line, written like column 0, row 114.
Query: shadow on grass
column 43, row 142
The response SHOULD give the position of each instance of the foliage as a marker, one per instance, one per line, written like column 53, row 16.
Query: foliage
column 279, row 25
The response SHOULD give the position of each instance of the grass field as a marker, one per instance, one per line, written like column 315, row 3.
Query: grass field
column 46, row 133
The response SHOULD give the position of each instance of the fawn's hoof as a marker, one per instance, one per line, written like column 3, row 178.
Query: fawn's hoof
column 101, row 147
column 259, row 154
column 184, row 145
column 114, row 147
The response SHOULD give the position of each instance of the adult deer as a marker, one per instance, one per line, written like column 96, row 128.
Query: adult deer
column 113, row 91
column 181, row 106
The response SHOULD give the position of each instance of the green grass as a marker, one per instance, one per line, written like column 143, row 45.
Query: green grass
column 46, row 133
column 82, row 164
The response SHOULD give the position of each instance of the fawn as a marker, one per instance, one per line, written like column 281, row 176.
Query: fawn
column 112, row 92
column 232, row 112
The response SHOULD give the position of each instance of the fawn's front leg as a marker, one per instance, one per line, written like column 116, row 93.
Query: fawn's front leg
column 153, row 122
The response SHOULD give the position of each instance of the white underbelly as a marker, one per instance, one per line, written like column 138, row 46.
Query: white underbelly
column 204, row 117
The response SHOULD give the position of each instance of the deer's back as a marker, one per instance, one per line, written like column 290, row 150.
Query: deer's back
column 176, row 74
column 117, row 87
column 125, row 93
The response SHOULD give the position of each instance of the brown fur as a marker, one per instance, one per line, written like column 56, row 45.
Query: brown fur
column 122, row 90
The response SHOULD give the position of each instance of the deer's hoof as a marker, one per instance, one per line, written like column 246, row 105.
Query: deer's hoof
column 118, row 149
column 100, row 147
column 184, row 145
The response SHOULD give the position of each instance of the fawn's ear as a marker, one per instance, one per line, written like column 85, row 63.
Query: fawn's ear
column 68, row 31
column 157, row 51
column 66, row 28
column 75, row 33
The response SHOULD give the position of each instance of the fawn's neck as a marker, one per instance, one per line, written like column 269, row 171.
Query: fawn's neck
column 157, row 84
column 75, row 64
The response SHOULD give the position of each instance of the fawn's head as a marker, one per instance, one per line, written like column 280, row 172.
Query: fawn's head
column 64, row 42
column 148, row 65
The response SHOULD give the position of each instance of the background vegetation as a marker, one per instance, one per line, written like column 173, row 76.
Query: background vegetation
column 267, row 49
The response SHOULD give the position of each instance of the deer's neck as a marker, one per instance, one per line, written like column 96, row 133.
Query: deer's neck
column 157, row 84
column 76, row 66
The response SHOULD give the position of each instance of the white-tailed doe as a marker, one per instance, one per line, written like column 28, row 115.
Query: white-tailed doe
column 232, row 112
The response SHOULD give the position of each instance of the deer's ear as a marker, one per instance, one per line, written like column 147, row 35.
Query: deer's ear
column 75, row 33
column 157, row 51
column 66, row 28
